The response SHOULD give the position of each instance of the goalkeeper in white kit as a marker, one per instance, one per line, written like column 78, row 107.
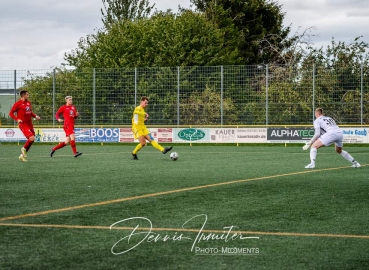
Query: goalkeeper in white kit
column 326, row 133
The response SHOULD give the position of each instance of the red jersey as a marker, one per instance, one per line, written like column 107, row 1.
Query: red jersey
column 24, row 112
column 69, row 114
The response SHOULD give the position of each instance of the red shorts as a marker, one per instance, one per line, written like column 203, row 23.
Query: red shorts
column 68, row 129
column 27, row 130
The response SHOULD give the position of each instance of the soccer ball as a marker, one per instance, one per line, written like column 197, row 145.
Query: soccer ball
column 174, row 156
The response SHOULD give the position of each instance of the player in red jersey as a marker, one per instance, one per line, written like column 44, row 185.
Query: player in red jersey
column 69, row 114
column 24, row 116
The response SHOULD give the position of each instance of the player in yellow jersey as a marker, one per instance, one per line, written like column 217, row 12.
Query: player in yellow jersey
column 140, row 131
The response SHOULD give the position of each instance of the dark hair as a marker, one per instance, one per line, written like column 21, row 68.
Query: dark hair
column 144, row 98
column 23, row 92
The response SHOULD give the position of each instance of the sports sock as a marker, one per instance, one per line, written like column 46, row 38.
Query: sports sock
column 73, row 145
column 138, row 148
column 347, row 156
column 60, row 145
column 313, row 153
column 157, row 146
column 28, row 145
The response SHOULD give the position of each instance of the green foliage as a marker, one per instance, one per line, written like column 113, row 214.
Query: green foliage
column 354, row 54
column 6, row 102
column 337, row 73
column 166, row 39
column 339, row 68
column 40, row 89
column 123, row 10
column 204, row 108
column 259, row 24
column 332, row 76
column 286, row 104
column 67, row 82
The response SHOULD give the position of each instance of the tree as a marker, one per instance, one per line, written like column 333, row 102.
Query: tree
column 339, row 69
column 203, row 108
column 165, row 39
column 258, row 22
column 67, row 82
column 124, row 10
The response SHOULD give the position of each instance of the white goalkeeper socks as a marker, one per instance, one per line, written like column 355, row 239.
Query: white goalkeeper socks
column 347, row 156
column 313, row 153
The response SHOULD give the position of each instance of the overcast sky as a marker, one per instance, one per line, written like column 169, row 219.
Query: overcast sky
column 35, row 34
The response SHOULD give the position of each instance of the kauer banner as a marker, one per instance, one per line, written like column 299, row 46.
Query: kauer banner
column 238, row 135
column 251, row 135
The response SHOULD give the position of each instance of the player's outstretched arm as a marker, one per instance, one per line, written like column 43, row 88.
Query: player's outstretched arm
column 313, row 139
column 306, row 146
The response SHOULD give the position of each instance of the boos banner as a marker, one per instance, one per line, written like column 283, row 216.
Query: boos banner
column 187, row 135
column 58, row 135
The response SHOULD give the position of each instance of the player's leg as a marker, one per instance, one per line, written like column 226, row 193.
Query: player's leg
column 142, row 143
column 345, row 154
column 61, row 144
column 156, row 144
column 313, row 153
column 29, row 133
column 27, row 145
column 73, row 145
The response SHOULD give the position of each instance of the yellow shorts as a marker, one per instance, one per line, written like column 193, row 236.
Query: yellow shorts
column 138, row 132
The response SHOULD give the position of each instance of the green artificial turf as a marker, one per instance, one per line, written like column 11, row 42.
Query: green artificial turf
column 56, row 213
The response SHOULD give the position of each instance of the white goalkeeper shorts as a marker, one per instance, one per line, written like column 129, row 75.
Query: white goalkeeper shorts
column 329, row 138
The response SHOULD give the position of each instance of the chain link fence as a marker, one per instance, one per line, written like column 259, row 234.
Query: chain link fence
column 220, row 95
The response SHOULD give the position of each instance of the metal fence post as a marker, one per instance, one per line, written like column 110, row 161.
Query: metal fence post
column 94, row 96
column 361, row 95
column 15, row 90
column 54, row 96
column 221, row 95
column 266, row 94
column 313, row 92
column 15, row 85
column 178, row 86
column 135, row 87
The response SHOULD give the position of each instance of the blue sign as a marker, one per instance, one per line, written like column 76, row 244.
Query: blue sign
column 97, row 134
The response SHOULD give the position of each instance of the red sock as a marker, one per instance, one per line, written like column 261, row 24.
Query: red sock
column 73, row 145
column 60, row 145
column 27, row 145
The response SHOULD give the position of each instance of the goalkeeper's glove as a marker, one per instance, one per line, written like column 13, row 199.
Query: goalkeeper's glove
column 306, row 146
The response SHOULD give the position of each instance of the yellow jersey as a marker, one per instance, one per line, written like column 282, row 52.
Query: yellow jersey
column 138, row 119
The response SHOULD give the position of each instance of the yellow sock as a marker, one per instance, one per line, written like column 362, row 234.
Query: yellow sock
column 157, row 146
column 138, row 148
